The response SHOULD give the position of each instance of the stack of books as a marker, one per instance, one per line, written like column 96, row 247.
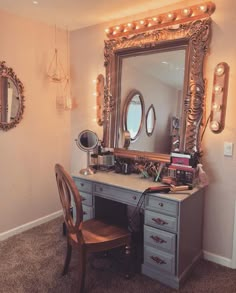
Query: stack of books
column 182, row 168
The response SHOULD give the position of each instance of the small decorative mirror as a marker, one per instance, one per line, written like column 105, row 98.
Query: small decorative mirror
column 150, row 120
column 11, row 98
column 133, row 114
column 87, row 141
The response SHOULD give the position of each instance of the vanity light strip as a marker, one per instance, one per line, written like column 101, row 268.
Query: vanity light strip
column 166, row 19
column 219, row 97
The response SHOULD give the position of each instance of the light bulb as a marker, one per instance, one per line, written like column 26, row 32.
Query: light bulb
column 171, row 16
column 186, row 12
column 219, row 70
column 215, row 126
column 203, row 8
column 218, row 89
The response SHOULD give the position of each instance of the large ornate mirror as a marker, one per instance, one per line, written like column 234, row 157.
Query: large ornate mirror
column 166, row 65
column 11, row 98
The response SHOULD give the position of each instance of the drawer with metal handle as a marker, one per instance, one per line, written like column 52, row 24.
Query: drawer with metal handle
column 87, row 198
column 162, row 205
column 159, row 259
column 161, row 221
column 159, row 239
column 117, row 194
column 88, row 213
column 83, row 185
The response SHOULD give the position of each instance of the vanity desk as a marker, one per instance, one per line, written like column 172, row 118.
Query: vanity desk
column 172, row 222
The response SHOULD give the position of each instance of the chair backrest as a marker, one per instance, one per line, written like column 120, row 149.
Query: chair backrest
column 67, row 189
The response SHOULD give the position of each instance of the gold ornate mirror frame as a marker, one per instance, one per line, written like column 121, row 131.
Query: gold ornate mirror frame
column 8, row 72
column 194, row 36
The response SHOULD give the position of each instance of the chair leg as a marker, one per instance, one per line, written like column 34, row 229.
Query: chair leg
column 127, row 261
column 82, row 268
column 68, row 258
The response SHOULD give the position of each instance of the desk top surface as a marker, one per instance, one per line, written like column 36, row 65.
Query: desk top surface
column 133, row 182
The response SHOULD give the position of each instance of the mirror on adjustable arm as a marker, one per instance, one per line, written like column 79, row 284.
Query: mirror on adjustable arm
column 11, row 98
column 164, row 61
column 87, row 141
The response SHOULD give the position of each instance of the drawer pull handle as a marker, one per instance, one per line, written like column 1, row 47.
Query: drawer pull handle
column 82, row 198
column 101, row 189
column 82, row 184
column 161, row 204
column 158, row 260
column 157, row 239
column 134, row 197
column 159, row 221
column 84, row 213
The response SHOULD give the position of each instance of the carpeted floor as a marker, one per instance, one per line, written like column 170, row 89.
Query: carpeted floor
column 32, row 262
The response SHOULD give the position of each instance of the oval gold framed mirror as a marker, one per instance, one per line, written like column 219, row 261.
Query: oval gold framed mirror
column 150, row 120
column 133, row 114
column 11, row 98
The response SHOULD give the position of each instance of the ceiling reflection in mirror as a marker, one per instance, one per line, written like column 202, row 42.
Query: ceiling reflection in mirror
column 160, row 79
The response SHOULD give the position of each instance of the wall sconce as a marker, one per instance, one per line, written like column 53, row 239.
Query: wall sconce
column 219, row 97
column 99, row 98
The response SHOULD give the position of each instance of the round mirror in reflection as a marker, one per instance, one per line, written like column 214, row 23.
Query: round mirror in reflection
column 150, row 120
column 133, row 114
column 11, row 98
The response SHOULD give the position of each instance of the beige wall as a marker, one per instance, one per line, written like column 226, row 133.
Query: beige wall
column 87, row 62
column 29, row 151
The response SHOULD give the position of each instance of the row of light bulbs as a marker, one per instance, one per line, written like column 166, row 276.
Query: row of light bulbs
column 195, row 11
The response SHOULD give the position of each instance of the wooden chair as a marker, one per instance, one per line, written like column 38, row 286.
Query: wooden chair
column 88, row 236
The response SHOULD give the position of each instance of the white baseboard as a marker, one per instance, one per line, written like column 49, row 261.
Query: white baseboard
column 227, row 262
column 29, row 225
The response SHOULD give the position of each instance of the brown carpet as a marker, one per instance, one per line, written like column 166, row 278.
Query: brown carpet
column 32, row 262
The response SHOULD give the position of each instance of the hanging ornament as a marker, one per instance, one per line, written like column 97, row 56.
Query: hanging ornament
column 55, row 71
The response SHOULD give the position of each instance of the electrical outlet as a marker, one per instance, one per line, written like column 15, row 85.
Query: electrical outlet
column 228, row 149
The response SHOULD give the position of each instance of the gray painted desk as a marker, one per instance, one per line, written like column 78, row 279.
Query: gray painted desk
column 172, row 222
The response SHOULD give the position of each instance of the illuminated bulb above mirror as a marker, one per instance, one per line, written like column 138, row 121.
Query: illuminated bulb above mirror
column 165, row 19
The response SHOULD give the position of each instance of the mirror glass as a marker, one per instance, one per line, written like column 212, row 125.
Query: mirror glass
column 11, row 98
column 160, row 79
column 133, row 114
column 150, row 120
column 87, row 140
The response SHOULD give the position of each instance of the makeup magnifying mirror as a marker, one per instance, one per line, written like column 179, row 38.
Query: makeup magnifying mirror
column 87, row 141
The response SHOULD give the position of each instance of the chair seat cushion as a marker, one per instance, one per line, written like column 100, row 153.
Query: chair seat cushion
column 99, row 235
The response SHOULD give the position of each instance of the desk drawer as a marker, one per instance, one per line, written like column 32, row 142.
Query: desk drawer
column 87, row 198
column 159, row 204
column 83, row 185
column 161, row 221
column 159, row 260
column 87, row 213
column 159, row 239
column 117, row 194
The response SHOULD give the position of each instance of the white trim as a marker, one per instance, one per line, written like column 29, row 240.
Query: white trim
column 234, row 241
column 29, row 225
column 227, row 262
